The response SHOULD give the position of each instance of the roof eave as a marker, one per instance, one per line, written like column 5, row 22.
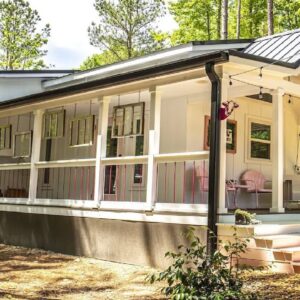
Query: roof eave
column 294, row 65
column 147, row 73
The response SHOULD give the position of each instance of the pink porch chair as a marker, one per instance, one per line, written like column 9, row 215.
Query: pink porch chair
column 202, row 175
column 255, row 183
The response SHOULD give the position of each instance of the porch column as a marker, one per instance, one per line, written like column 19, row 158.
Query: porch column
column 277, row 152
column 222, row 179
column 154, row 141
column 35, row 153
column 101, row 148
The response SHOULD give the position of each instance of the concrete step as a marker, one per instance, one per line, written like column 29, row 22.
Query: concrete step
column 278, row 241
column 257, row 230
column 287, row 254
column 296, row 267
column 277, row 266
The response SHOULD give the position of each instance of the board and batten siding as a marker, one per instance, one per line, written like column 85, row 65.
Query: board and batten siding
column 237, row 163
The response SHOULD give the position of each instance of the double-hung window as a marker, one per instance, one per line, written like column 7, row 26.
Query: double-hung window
column 259, row 140
column 82, row 131
column 128, row 120
column 54, row 124
column 22, row 144
column 5, row 137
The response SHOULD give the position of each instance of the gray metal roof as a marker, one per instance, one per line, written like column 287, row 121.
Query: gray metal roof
column 170, row 55
column 283, row 47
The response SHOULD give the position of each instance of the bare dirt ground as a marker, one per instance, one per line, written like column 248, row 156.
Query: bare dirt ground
column 35, row 274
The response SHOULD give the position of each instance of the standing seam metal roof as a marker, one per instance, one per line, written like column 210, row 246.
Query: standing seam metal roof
column 283, row 47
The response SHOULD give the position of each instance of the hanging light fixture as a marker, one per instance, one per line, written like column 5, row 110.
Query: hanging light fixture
column 260, row 96
column 260, row 73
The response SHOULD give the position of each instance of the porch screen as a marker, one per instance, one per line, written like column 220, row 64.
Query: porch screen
column 260, row 141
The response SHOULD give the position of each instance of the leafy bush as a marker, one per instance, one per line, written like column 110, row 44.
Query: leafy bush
column 195, row 275
column 243, row 217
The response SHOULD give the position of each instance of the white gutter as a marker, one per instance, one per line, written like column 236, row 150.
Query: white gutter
column 151, row 60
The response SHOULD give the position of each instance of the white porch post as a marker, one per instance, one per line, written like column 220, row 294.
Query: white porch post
column 154, row 140
column 277, row 152
column 35, row 153
column 101, row 148
column 222, row 180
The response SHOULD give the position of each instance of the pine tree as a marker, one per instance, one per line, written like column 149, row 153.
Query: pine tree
column 21, row 44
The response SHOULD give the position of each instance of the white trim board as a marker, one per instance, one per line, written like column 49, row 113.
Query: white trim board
column 95, row 214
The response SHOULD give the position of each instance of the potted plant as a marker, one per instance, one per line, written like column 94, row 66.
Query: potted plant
column 243, row 217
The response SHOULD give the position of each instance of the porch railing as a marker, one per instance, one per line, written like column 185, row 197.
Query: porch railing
column 124, row 187
column 66, row 182
column 14, row 182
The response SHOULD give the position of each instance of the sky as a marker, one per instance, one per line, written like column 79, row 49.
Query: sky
column 68, row 45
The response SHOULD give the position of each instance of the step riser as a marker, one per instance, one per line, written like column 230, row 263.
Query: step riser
column 284, row 256
column 251, row 243
column 296, row 269
column 280, row 267
column 278, row 243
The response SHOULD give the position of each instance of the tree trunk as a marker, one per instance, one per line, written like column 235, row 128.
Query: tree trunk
column 208, row 25
column 224, row 35
column 238, row 19
column 219, row 7
column 251, row 18
column 270, row 17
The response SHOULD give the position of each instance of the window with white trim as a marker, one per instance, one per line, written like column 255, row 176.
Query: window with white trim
column 259, row 140
column 22, row 144
column 54, row 123
column 82, row 131
column 5, row 137
column 128, row 120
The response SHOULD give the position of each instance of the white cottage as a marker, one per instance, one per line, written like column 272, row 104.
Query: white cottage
column 115, row 162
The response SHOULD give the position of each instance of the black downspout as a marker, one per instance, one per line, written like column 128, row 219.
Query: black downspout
column 214, row 156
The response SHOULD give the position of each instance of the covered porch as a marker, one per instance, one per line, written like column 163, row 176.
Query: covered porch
column 146, row 148
column 134, row 150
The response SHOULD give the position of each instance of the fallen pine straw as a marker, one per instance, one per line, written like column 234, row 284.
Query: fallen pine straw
column 33, row 274
column 40, row 275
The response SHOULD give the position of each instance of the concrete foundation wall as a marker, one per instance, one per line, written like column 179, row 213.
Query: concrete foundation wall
column 138, row 243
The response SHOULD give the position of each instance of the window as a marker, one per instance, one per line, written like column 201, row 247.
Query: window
column 22, row 144
column 138, row 169
column 128, row 120
column 5, row 137
column 54, row 124
column 260, row 140
column 81, row 131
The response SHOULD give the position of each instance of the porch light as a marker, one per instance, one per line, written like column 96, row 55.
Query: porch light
column 260, row 96
column 260, row 73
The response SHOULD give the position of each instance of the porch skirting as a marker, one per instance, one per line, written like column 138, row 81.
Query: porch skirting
column 140, row 243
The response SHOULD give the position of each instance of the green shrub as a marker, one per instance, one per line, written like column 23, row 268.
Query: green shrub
column 195, row 275
column 243, row 217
